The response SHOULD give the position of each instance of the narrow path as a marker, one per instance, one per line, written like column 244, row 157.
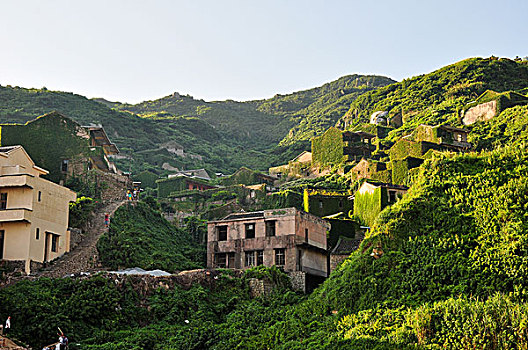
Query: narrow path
column 84, row 257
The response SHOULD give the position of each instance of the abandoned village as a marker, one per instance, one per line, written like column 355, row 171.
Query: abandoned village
column 253, row 218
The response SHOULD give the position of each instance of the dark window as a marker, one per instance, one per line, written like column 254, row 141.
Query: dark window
column 392, row 196
column 279, row 257
column 220, row 260
column 270, row 228
column 250, row 230
column 3, row 201
column 306, row 234
column 64, row 165
column 260, row 257
column 250, row 259
column 340, row 204
column 54, row 243
column 39, row 196
column 231, row 260
column 37, row 234
column 222, row 233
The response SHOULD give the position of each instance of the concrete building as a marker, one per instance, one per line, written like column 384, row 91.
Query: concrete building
column 288, row 238
column 33, row 211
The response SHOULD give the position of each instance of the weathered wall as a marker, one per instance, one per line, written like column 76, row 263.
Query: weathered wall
column 484, row 111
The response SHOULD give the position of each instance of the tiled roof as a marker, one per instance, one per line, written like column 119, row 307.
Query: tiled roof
column 346, row 246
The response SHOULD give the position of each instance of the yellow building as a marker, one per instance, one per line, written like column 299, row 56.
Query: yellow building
column 33, row 211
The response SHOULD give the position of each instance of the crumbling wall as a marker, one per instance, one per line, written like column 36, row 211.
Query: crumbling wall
column 483, row 111
column 260, row 288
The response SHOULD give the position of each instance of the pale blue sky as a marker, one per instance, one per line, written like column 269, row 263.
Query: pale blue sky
column 132, row 51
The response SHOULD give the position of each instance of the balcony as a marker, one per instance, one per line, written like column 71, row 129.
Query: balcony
column 15, row 181
column 15, row 214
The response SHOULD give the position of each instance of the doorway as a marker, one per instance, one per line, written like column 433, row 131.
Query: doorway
column 2, row 238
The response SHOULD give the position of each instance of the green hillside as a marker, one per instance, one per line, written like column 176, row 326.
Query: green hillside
column 219, row 136
column 292, row 117
column 438, row 97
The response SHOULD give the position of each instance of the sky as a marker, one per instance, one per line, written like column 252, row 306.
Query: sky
column 132, row 51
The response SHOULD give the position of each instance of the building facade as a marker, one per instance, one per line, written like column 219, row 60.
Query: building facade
column 288, row 238
column 33, row 211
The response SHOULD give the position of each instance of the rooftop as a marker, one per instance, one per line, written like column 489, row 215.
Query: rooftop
column 234, row 216
column 346, row 246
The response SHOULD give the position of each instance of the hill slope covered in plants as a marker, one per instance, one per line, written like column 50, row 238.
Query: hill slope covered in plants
column 439, row 96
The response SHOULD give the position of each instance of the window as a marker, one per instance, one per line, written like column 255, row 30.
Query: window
column 64, row 165
column 340, row 204
column 231, row 260
column 270, row 228
column 392, row 196
column 320, row 204
column 39, row 196
column 306, row 234
column 279, row 257
column 3, row 201
column 250, row 259
column 220, row 260
column 221, row 233
column 37, row 233
column 54, row 243
column 459, row 137
column 260, row 257
column 250, row 230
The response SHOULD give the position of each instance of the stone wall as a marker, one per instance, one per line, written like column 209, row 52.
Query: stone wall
column 335, row 260
column 298, row 280
column 484, row 111
column 259, row 288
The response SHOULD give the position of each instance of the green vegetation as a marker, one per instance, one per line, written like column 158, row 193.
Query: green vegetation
column 80, row 211
column 140, row 237
column 48, row 140
column 508, row 128
column 504, row 100
column 438, row 97
column 444, row 267
column 245, row 176
column 367, row 206
column 327, row 149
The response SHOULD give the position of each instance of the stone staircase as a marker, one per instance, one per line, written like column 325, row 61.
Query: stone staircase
column 84, row 257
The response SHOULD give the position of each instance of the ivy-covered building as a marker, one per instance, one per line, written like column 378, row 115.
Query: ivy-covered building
column 373, row 197
column 371, row 169
column 182, row 183
column 246, row 176
column 326, row 202
column 336, row 147
column 491, row 104
column 449, row 137
column 61, row 145
column 300, row 166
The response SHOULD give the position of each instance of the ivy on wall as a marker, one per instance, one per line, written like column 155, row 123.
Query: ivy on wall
column 328, row 148
column 48, row 140
column 368, row 205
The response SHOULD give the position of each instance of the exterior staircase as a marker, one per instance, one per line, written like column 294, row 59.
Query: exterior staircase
column 84, row 257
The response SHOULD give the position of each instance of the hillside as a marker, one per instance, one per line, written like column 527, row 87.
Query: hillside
column 140, row 237
column 220, row 136
column 438, row 97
